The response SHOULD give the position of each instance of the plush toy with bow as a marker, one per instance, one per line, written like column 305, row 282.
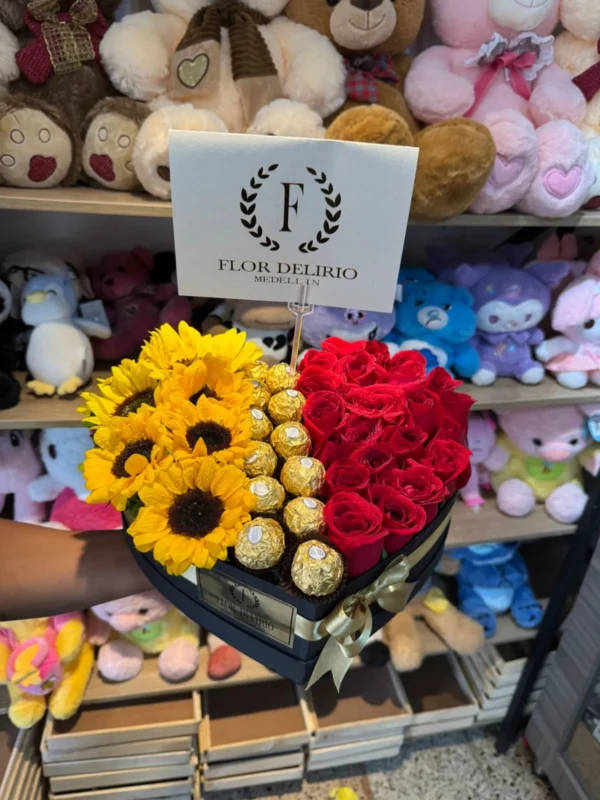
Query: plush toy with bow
column 19, row 466
column 496, row 65
column 349, row 324
column 46, row 664
column 485, row 456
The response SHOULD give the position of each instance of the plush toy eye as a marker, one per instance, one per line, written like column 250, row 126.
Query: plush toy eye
column 589, row 324
column 418, row 303
column 537, row 442
column 121, row 269
column 446, row 307
column 51, row 291
column 528, row 317
column 332, row 3
column 573, row 442
column 494, row 319
column 52, row 451
column 14, row 439
column 142, row 610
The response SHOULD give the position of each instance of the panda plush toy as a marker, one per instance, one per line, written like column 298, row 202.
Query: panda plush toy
column 10, row 391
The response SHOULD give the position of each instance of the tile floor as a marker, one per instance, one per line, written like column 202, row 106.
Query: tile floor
column 455, row 766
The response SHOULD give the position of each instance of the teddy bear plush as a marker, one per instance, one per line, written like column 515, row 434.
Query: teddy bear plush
column 46, row 664
column 485, row 456
column 509, row 305
column 19, row 465
column 10, row 390
column 545, row 451
column 219, row 65
column 496, row 65
column 437, row 320
column 455, row 156
column 268, row 325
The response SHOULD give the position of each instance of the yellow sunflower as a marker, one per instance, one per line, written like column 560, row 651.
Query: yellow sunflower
column 192, row 514
column 208, row 428
column 206, row 377
column 168, row 347
column 127, row 455
column 129, row 388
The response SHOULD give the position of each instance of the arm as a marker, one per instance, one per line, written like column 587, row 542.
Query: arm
column 497, row 459
column 314, row 73
column 556, row 97
column 45, row 571
column 554, row 347
column 466, row 360
column 433, row 92
column 44, row 489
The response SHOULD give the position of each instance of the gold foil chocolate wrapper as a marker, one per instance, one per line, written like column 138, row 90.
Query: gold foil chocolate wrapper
column 291, row 439
column 286, row 406
column 260, row 544
column 303, row 476
column 317, row 569
column 269, row 494
column 261, row 460
column 280, row 377
column 258, row 371
column 260, row 394
column 260, row 424
column 304, row 516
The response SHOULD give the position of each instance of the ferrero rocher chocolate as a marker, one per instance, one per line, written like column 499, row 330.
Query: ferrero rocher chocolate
column 261, row 460
column 303, row 476
column 260, row 424
column 286, row 406
column 260, row 544
column 317, row 569
column 260, row 394
column 304, row 516
column 269, row 494
column 290, row 439
column 258, row 370
column 280, row 377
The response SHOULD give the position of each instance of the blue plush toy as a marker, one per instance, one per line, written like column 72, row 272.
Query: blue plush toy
column 492, row 580
column 437, row 320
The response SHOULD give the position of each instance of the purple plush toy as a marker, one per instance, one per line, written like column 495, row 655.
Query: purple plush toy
column 349, row 324
column 509, row 304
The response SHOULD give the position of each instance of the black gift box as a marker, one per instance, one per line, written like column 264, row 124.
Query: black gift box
column 257, row 617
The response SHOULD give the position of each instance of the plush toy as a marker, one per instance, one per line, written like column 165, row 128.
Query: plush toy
column 496, row 65
column 215, row 65
column 19, row 465
column 10, row 390
column 46, row 663
column 492, row 580
column 509, row 305
column 63, row 451
column 485, row 456
column 349, row 324
column 574, row 357
column 438, row 321
column 59, row 354
column 55, row 81
column 545, row 451
column 455, row 156
column 268, row 325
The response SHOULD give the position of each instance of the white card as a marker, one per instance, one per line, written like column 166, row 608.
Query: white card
column 258, row 217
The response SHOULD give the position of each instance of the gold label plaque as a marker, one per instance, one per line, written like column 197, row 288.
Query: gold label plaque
column 248, row 607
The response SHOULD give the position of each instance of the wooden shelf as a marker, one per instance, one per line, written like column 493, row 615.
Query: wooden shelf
column 509, row 219
column 490, row 525
column 508, row 393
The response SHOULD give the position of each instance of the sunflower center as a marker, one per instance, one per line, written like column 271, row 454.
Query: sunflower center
column 141, row 447
column 131, row 404
column 206, row 392
column 216, row 437
column 195, row 513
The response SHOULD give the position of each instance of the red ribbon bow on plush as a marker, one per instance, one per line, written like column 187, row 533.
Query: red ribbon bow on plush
column 363, row 73
column 589, row 81
column 513, row 61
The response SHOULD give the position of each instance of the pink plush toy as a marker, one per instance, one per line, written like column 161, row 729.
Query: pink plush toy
column 484, row 456
column 496, row 65
column 19, row 465
column 575, row 356
column 545, row 450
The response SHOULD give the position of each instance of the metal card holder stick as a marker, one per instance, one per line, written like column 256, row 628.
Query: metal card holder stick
column 300, row 309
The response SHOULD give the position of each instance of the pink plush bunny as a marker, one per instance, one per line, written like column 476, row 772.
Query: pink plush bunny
column 484, row 456
column 575, row 356
column 19, row 465
column 496, row 65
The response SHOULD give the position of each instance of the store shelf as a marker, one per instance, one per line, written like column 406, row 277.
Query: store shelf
column 490, row 525
column 508, row 393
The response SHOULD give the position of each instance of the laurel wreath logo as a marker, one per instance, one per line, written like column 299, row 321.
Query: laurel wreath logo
column 332, row 218
column 250, row 600
column 248, row 207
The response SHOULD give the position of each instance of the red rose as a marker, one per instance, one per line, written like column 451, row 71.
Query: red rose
column 450, row 461
column 322, row 414
column 451, row 429
column 318, row 358
column 347, row 476
column 457, row 405
column 385, row 402
column 420, row 484
column 354, row 526
column 379, row 351
column 439, row 380
column 377, row 457
column 404, row 440
column 407, row 367
column 360, row 430
column 332, row 450
column 317, row 379
column 361, row 368
column 341, row 348
column 402, row 518
column 425, row 408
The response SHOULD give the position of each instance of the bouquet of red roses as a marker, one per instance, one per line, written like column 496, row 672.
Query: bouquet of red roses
column 392, row 439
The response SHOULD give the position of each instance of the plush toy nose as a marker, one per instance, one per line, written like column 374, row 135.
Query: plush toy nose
column 366, row 5
column 36, row 297
column 555, row 452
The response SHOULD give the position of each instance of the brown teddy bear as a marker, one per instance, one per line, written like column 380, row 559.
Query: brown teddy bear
column 456, row 156
column 57, row 88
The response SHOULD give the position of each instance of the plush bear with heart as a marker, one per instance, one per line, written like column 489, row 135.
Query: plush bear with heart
column 51, row 66
column 496, row 64
column 219, row 65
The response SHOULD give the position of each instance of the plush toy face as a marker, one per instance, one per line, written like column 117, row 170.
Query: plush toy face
column 550, row 434
column 46, row 299
column 133, row 612
column 16, row 452
column 577, row 311
column 362, row 25
column 581, row 18
column 120, row 274
column 18, row 268
column 348, row 324
column 265, row 316
column 437, row 309
column 63, row 451
column 481, row 438
column 487, row 17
